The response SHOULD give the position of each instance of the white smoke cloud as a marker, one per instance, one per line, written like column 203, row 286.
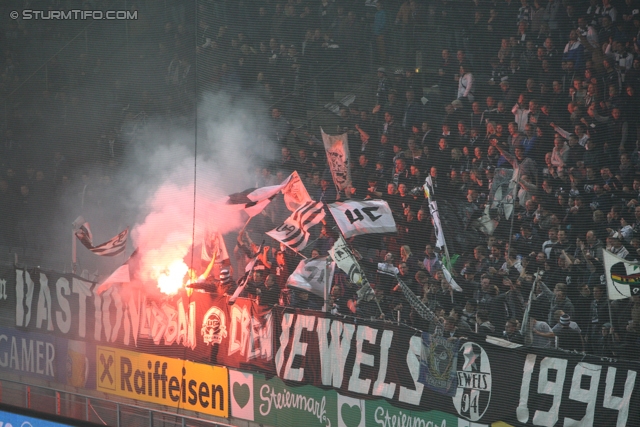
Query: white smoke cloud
column 164, row 166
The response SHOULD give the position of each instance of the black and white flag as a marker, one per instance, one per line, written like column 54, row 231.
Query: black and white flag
column 312, row 275
column 363, row 217
column 295, row 231
column 348, row 263
column 111, row 247
column 433, row 210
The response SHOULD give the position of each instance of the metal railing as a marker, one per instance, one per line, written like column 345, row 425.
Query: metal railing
column 94, row 409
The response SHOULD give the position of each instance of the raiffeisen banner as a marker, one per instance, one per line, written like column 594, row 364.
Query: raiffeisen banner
column 166, row 381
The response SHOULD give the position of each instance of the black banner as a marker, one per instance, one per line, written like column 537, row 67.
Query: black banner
column 358, row 358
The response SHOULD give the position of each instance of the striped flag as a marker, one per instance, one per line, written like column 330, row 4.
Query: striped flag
column 111, row 247
column 295, row 231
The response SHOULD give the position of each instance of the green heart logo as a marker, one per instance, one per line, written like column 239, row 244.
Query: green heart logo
column 241, row 393
column 350, row 415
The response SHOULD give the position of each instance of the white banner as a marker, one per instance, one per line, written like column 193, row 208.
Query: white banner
column 295, row 231
column 362, row 217
column 624, row 281
column 337, row 149
column 312, row 274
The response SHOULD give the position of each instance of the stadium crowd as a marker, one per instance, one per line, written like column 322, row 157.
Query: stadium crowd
column 549, row 90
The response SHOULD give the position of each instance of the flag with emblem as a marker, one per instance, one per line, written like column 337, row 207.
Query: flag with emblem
column 294, row 232
column 438, row 363
column 622, row 276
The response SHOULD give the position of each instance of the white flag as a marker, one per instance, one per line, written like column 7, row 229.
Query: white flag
column 312, row 275
column 337, row 149
column 623, row 277
column 295, row 231
column 362, row 217
column 295, row 193
column 450, row 279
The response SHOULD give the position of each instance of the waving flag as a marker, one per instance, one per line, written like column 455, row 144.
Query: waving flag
column 623, row 277
column 254, row 200
column 111, row 247
column 337, row 149
column 295, row 231
column 363, row 217
column 348, row 263
column 295, row 193
column 312, row 275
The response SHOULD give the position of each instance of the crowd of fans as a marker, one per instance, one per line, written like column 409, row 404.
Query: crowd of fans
column 546, row 94
column 548, row 90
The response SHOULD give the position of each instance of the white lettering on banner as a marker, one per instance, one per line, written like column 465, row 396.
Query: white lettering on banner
column 620, row 404
column 248, row 335
column 384, row 419
column 165, row 325
column 83, row 290
column 171, row 329
column 576, row 392
column 356, row 384
column 333, row 357
column 44, row 309
column 132, row 313
column 286, row 399
column 553, row 388
column 413, row 363
column 63, row 318
column 380, row 388
column 287, row 321
column 44, row 304
column 24, row 357
column 298, row 347
column 588, row 395
column 23, row 301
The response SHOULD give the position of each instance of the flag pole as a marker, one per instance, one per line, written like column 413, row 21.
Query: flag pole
column 607, row 287
column 74, row 259
column 525, row 318
column 326, row 285
column 513, row 202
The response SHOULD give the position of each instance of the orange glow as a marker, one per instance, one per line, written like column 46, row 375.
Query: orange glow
column 171, row 279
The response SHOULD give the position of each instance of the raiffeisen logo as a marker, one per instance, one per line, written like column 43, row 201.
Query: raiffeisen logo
column 162, row 380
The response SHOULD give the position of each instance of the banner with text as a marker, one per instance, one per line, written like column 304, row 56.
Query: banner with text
column 358, row 359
